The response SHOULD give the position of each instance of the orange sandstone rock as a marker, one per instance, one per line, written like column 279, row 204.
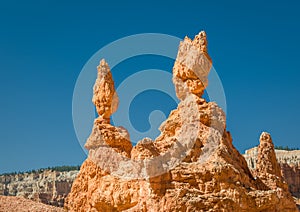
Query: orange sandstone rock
column 105, row 98
column 191, row 166
column 289, row 162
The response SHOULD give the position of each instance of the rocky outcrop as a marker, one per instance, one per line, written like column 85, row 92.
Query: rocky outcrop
column 289, row 162
column 49, row 187
column 191, row 166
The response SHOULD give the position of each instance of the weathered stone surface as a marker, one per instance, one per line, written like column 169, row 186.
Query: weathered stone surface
column 105, row 98
column 289, row 162
column 104, row 134
column 49, row 187
column 267, row 167
column 191, row 166
column 192, row 67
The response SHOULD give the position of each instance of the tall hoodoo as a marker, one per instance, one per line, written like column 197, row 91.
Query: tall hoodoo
column 191, row 166
column 266, row 158
column 263, row 164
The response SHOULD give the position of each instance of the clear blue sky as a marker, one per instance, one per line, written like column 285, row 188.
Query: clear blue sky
column 44, row 45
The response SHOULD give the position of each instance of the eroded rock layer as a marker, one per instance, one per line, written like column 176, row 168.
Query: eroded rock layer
column 191, row 166
column 49, row 187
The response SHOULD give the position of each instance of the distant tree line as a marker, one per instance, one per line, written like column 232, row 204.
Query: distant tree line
column 38, row 171
column 285, row 148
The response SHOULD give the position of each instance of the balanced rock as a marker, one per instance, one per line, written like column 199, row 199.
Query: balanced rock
column 192, row 66
column 105, row 98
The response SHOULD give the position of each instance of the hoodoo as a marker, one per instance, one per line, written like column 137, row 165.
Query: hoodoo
column 191, row 166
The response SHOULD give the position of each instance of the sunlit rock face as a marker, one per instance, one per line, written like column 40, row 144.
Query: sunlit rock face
column 191, row 166
column 289, row 162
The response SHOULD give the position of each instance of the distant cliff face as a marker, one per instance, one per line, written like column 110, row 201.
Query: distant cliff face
column 49, row 187
column 289, row 162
